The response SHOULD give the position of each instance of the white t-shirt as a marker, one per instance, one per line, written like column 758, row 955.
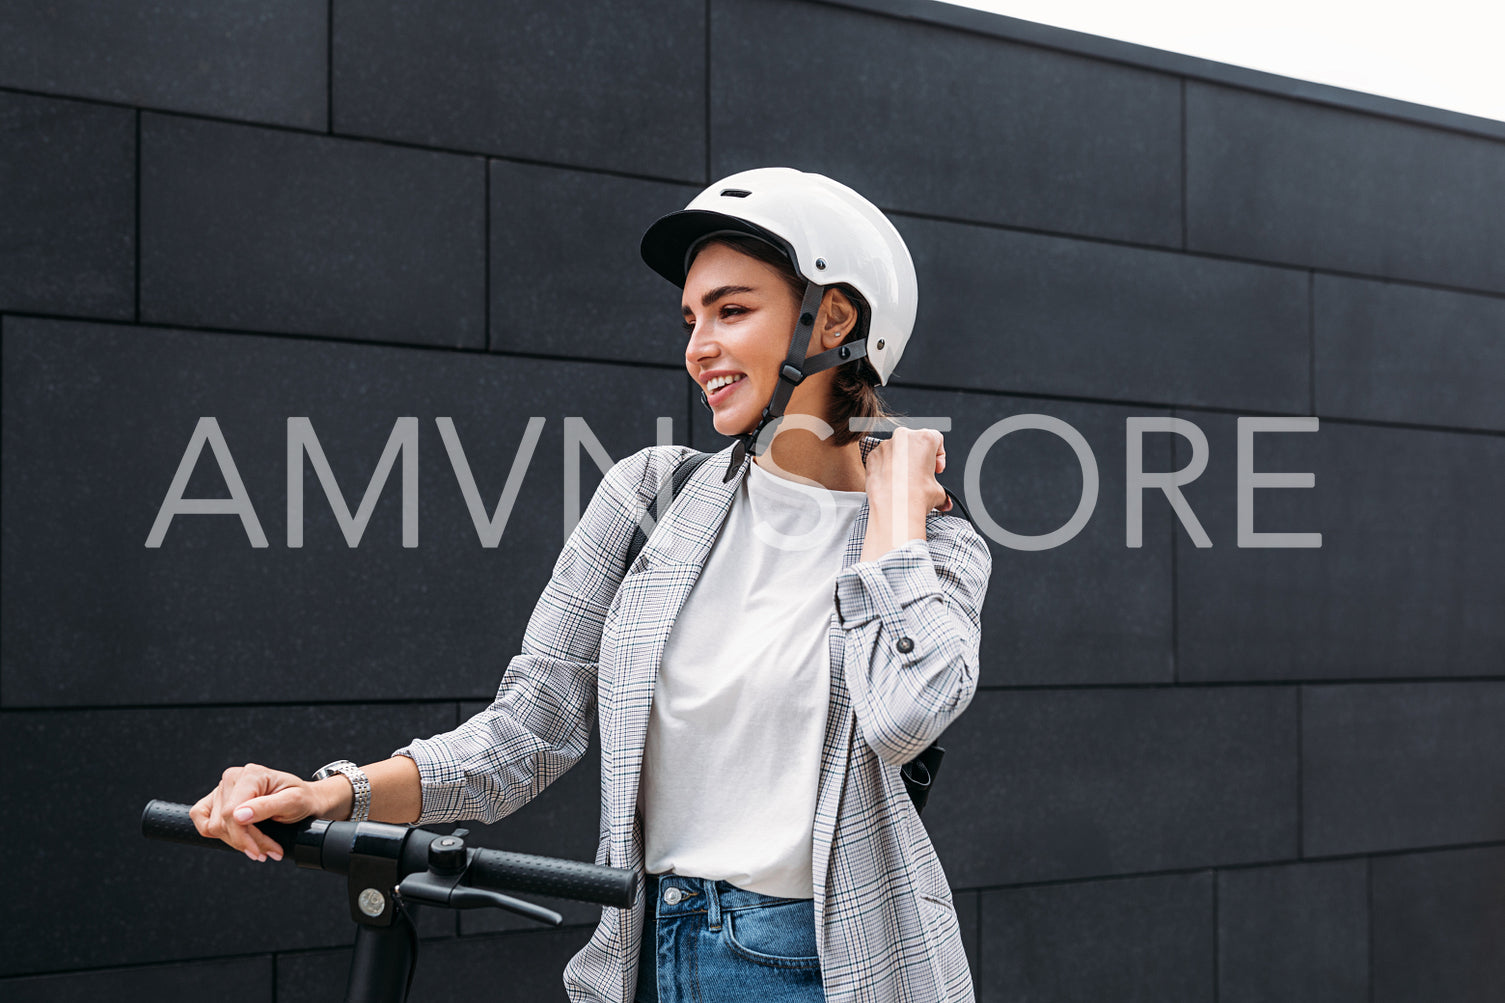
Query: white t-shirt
column 731, row 761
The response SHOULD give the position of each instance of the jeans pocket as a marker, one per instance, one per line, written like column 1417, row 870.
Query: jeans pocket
column 781, row 935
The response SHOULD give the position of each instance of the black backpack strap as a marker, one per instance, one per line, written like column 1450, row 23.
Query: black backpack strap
column 681, row 473
column 957, row 506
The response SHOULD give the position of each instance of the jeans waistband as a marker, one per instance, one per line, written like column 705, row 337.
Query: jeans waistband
column 670, row 895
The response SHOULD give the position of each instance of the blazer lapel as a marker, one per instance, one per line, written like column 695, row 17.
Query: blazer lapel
column 837, row 748
column 648, row 602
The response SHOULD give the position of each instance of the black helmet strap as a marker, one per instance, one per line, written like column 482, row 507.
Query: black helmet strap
column 793, row 372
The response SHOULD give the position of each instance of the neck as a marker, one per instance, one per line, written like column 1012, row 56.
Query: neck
column 802, row 453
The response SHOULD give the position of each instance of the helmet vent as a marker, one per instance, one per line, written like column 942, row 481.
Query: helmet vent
column 735, row 193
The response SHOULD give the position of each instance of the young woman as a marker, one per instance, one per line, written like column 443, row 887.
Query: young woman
column 802, row 622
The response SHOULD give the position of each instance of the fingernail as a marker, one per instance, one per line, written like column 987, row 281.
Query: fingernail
column 275, row 855
column 243, row 814
column 251, row 854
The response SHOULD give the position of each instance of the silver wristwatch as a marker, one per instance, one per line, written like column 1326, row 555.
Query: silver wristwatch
column 360, row 807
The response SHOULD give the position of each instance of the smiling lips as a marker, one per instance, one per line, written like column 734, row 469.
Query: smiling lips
column 719, row 388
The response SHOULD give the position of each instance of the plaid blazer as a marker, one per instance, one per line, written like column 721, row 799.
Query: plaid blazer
column 885, row 922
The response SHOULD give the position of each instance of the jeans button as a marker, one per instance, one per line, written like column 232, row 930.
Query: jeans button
column 673, row 895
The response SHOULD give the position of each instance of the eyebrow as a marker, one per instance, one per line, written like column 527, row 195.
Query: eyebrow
column 720, row 291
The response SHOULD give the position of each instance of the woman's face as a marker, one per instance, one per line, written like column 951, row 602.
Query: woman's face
column 738, row 315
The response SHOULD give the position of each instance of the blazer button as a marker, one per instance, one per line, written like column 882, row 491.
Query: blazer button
column 904, row 644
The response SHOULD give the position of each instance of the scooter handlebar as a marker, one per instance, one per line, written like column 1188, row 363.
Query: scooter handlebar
column 496, row 870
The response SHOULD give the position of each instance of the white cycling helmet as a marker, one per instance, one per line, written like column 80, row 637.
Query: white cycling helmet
column 831, row 234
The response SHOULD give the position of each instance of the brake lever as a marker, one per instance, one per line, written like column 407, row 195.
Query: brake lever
column 441, row 884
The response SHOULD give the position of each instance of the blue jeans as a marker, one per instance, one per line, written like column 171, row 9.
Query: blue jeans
column 707, row 941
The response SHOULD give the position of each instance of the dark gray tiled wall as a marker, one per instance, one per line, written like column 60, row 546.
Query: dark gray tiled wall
column 1407, row 581
column 113, row 897
column 1128, row 940
column 274, row 231
column 262, row 62
column 240, row 980
column 1391, row 352
column 1335, row 260
column 1090, row 611
column 1302, row 184
column 1439, row 926
column 1054, row 784
column 68, row 202
column 619, row 85
column 566, row 277
column 1397, row 765
column 98, row 419
column 1296, row 931
column 925, row 119
column 1031, row 313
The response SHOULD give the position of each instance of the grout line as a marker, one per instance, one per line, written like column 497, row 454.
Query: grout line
column 486, row 241
column 1311, row 337
column 1184, row 198
column 708, row 160
column 1217, row 939
column 1213, row 684
column 1300, row 789
column 487, row 697
column 1175, row 521
column 1369, row 922
column 329, row 68
column 137, row 276
column 980, row 952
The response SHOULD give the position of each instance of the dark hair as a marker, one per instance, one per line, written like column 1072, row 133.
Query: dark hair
column 854, row 385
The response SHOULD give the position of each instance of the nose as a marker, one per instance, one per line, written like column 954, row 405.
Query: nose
column 700, row 345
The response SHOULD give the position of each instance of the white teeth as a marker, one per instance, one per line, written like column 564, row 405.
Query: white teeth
column 721, row 381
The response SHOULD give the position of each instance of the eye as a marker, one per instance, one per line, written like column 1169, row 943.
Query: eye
column 686, row 326
column 732, row 311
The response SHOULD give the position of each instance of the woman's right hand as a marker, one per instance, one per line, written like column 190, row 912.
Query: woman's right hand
column 249, row 794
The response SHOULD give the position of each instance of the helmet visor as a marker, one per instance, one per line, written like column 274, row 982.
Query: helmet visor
column 667, row 243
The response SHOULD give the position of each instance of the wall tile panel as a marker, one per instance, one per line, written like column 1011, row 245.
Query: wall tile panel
column 1304, row 184
column 270, row 230
column 68, row 199
column 932, row 120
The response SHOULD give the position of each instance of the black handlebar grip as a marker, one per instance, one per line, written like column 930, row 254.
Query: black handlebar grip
column 168, row 820
column 569, row 879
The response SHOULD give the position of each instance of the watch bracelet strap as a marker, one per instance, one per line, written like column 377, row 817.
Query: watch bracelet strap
column 360, row 785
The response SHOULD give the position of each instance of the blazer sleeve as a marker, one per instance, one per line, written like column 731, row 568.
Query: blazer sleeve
column 912, row 624
column 540, row 722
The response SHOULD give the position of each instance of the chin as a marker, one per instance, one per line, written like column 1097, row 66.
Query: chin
column 729, row 426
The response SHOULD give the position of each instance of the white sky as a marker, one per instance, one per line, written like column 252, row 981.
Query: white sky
column 1444, row 53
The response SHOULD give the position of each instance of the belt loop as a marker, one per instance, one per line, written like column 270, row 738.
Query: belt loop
column 713, row 905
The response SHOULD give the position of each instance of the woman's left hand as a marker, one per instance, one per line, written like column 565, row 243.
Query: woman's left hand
column 901, row 471
column 901, row 487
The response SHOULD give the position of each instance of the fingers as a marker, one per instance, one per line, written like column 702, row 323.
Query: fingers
column 922, row 452
column 247, row 794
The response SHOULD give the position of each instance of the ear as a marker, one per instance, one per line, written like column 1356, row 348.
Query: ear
column 838, row 316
